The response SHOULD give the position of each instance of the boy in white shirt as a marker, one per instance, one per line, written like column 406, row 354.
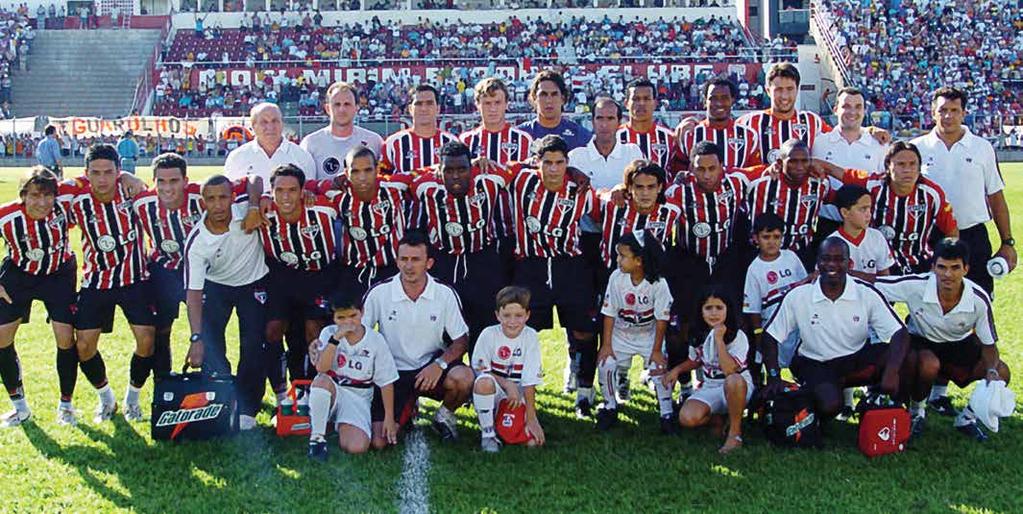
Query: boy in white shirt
column 350, row 359
column 506, row 360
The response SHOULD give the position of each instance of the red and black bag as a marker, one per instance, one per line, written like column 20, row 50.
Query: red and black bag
column 194, row 406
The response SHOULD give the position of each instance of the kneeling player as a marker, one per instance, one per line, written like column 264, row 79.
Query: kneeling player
column 352, row 359
column 637, row 307
column 507, row 364
column 951, row 327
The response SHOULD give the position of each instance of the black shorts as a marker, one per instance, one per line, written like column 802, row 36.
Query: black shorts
column 688, row 275
column 562, row 282
column 361, row 279
column 94, row 308
column 958, row 359
column 976, row 237
column 477, row 278
column 291, row 291
column 168, row 293
column 405, row 394
column 56, row 291
column 861, row 368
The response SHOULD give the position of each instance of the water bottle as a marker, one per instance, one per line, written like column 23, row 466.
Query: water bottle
column 287, row 407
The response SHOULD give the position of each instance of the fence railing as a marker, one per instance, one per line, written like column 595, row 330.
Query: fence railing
column 822, row 23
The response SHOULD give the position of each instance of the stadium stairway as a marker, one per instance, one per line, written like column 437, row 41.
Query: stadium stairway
column 83, row 72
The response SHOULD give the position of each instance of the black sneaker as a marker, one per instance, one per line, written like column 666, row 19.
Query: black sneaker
column 942, row 405
column 917, row 427
column 318, row 451
column 668, row 425
column 973, row 430
column 583, row 409
column 845, row 414
column 606, row 418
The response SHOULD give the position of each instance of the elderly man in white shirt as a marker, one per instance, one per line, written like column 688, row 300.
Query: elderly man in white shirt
column 268, row 150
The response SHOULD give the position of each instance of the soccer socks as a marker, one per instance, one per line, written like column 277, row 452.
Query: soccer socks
column 67, row 372
column 10, row 372
column 609, row 382
column 918, row 409
column 848, row 396
column 95, row 371
column 937, row 391
column 277, row 365
column 484, row 405
column 162, row 351
column 664, row 400
column 319, row 410
column 139, row 370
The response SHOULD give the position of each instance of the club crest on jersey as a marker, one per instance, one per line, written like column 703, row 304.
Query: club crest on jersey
column 260, row 296
column 477, row 199
column 331, row 165
column 659, row 148
column 106, row 243
column 566, row 204
column 510, row 148
column 808, row 201
column 504, row 352
column 124, row 206
column 630, row 299
column 341, row 360
column 381, row 207
column 726, row 196
column 310, row 232
column 736, row 144
column 58, row 221
column 799, row 130
column 701, row 230
column 170, row 246
column 35, row 254
column 772, row 277
column 454, row 229
column 917, row 210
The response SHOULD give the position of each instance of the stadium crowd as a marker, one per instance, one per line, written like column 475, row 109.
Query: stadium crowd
column 976, row 46
column 732, row 246
column 16, row 36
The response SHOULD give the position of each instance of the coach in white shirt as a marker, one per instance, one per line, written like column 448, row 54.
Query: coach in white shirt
column 330, row 145
column 224, row 271
column 848, row 146
column 951, row 328
column 268, row 150
column 414, row 313
column 835, row 315
column 966, row 168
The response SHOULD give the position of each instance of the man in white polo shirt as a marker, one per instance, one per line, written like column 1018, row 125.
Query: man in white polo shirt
column 224, row 271
column 835, row 315
column 848, row 146
column 268, row 150
column 951, row 328
column 414, row 313
column 603, row 159
column 330, row 145
column 966, row 168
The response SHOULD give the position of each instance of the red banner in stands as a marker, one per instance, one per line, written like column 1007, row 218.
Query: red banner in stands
column 326, row 75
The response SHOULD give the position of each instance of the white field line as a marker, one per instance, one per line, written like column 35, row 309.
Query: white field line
column 414, row 485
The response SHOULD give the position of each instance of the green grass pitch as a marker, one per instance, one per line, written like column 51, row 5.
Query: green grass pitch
column 117, row 467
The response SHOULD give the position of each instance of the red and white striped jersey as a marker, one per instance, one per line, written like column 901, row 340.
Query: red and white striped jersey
column 37, row 247
column 657, row 144
column 616, row 221
column 167, row 229
column 705, row 226
column 739, row 144
column 405, row 152
column 907, row 222
column 508, row 145
column 547, row 222
column 111, row 236
column 798, row 206
column 371, row 230
column 458, row 225
column 307, row 244
column 773, row 131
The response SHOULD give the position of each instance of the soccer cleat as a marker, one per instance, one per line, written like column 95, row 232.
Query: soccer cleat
column 845, row 414
column 606, row 418
column 104, row 412
column 570, row 379
column 490, row 445
column 67, row 416
column 916, row 428
column 973, row 430
column 246, row 422
column 624, row 393
column 318, row 450
column 942, row 405
column 668, row 425
column 446, row 426
column 15, row 418
column 133, row 413
column 583, row 408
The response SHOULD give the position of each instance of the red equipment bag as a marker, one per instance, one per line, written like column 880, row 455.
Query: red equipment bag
column 294, row 421
column 883, row 429
column 510, row 424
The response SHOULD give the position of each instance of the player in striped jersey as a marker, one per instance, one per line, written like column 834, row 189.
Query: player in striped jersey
column 548, row 208
column 782, row 121
column 167, row 214
column 415, row 148
column 114, row 274
column 39, row 266
column 457, row 205
column 657, row 142
column 794, row 195
column 739, row 144
column 496, row 141
column 373, row 221
column 298, row 240
column 910, row 209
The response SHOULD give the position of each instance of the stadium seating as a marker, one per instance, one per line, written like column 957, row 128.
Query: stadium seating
column 15, row 37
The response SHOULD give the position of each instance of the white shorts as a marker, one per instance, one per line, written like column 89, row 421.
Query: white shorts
column 713, row 394
column 499, row 393
column 352, row 409
column 624, row 355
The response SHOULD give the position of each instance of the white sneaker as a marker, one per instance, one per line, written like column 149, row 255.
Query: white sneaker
column 104, row 412
column 246, row 422
column 133, row 413
column 446, row 424
column 15, row 418
column 490, row 445
column 67, row 416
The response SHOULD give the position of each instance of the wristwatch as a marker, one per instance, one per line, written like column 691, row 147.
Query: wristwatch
column 195, row 337
column 442, row 363
column 1009, row 242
